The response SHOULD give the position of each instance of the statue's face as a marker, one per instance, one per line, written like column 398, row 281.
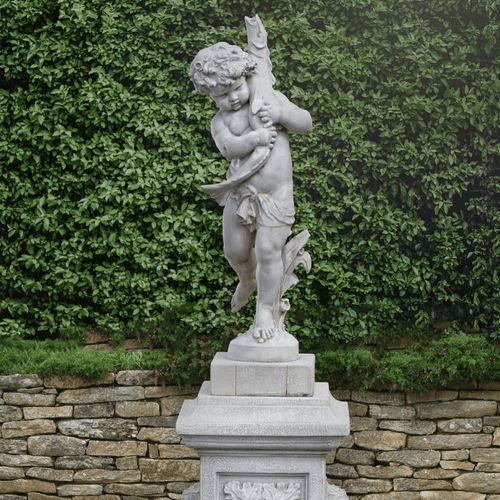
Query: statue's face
column 231, row 97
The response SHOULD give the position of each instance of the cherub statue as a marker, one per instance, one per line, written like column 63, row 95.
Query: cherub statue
column 251, row 129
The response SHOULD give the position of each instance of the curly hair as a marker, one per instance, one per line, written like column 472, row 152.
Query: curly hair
column 219, row 64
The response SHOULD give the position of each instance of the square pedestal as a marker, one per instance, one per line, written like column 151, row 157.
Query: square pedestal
column 263, row 448
column 246, row 378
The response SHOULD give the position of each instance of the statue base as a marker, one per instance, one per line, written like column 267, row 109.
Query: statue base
column 260, row 448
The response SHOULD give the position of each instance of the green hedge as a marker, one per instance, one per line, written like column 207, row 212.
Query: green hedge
column 104, row 144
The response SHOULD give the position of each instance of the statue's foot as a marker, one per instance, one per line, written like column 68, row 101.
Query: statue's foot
column 242, row 294
column 264, row 327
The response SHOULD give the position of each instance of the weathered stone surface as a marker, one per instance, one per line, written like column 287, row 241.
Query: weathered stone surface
column 158, row 471
column 449, row 441
column 170, row 390
column 455, row 455
column 153, row 451
column 341, row 470
column 354, row 457
column 98, row 410
column 461, row 425
column 496, row 437
column 101, row 395
column 357, row 409
column 22, row 399
column 450, row 495
column 41, row 496
column 409, row 426
column 24, row 461
column 26, row 486
column 11, row 473
column 49, row 474
column 413, row 458
column 487, row 467
column 379, row 398
column 410, row 484
column 38, row 412
column 157, row 421
column 347, row 442
column 436, row 473
column 117, row 448
column 392, row 412
column 457, row 409
column 56, row 445
column 484, row 395
column 176, row 451
column 104, row 428
column 421, row 397
column 381, row 472
column 380, row 440
column 127, row 463
column 171, row 405
column 177, row 487
column 481, row 482
column 69, row 490
column 13, row 446
column 9, row 413
column 363, row 424
column 456, row 465
column 83, row 462
column 494, row 421
column 485, row 455
column 107, row 497
column 136, row 489
column 363, row 485
column 403, row 495
column 107, row 476
column 137, row 409
column 19, row 381
column 69, row 382
column 137, row 377
column 159, row 435
column 27, row 428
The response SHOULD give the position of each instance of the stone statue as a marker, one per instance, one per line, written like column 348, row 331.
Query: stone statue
column 251, row 130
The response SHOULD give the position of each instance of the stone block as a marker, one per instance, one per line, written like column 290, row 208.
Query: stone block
column 381, row 472
column 355, row 457
column 436, row 473
column 159, row 435
column 364, row 486
column 70, row 382
column 488, row 455
column 487, row 467
column 357, row 409
column 71, row 490
column 26, row 486
column 117, row 448
column 449, row 441
column 50, row 474
column 461, row 425
column 363, row 424
column 137, row 377
column 137, row 409
column 40, row 412
column 419, row 427
column 83, row 462
column 496, row 437
column 379, row 398
column 109, row 497
column 41, row 496
column 27, row 428
column 105, row 428
column 127, row 463
column 483, row 395
column 24, row 461
column 106, row 476
column 19, row 381
column 413, row 458
column 9, row 413
column 342, row 471
column 97, row 410
column 7, row 473
column 480, row 482
column 22, row 399
column 455, row 455
column 410, row 484
column 392, row 412
column 56, row 445
column 17, row 446
column 456, row 465
column 136, row 489
column 164, row 391
column 101, row 395
column 494, row 421
column 157, row 421
column 158, row 471
column 403, row 495
column 380, row 440
column 451, row 495
column 242, row 378
column 176, row 451
column 171, row 405
column 457, row 409
column 428, row 396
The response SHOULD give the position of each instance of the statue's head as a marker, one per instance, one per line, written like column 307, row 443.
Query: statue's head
column 220, row 65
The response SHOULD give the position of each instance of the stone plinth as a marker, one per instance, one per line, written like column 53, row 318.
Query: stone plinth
column 246, row 378
column 263, row 447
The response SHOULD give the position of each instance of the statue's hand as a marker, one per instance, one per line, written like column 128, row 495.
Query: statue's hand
column 270, row 114
column 267, row 135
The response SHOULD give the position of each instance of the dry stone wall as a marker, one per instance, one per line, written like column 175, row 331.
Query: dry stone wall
column 65, row 438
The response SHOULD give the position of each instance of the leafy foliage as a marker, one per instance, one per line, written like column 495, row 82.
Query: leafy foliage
column 104, row 144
